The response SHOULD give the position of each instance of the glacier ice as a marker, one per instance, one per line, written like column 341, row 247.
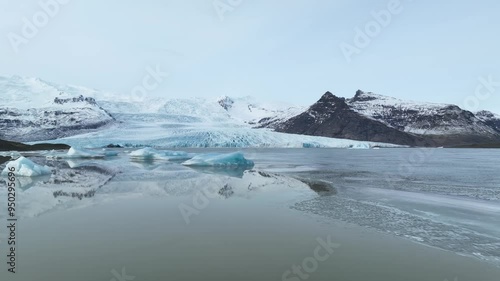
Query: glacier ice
column 149, row 153
column 360, row 146
column 26, row 168
column 221, row 160
column 202, row 135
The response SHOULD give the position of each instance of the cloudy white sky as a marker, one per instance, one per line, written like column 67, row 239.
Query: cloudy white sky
column 274, row 50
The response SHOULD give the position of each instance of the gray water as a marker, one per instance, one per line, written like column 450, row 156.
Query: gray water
column 393, row 214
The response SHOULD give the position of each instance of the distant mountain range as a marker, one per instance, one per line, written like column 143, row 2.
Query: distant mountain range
column 35, row 110
column 371, row 117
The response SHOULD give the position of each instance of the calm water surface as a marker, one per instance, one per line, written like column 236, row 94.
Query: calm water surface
column 392, row 214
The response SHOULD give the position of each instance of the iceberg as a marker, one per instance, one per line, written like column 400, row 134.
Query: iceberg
column 74, row 153
column 149, row 153
column 26, row 168
column 80, row 153
column 219, row 160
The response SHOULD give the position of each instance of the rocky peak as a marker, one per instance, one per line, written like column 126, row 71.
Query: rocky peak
column 486, row 114
column 329, row 100
column 363, row 96
column 489, row 118
column 78, row 99
column 226, row 102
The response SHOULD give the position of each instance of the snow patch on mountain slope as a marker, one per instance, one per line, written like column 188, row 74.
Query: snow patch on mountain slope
column 372, row 104
column 28, row 92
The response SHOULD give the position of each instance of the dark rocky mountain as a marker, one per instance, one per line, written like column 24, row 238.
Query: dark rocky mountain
column 490, row 119
column 16, row 146
column 370, row 117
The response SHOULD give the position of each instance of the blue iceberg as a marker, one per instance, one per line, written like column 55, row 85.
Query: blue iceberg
column 236, row 159
column 23, row 167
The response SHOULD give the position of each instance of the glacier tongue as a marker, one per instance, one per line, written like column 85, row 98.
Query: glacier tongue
column 183, row 135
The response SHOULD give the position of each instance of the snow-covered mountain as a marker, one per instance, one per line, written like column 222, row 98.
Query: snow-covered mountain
column 372, row 117
column 32, row 109
column 332, row 117
column 36, row 110
column 240, row 110
column 418, row 117
column 255, row 113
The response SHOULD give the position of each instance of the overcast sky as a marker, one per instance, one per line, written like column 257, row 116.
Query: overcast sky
column 290, row 50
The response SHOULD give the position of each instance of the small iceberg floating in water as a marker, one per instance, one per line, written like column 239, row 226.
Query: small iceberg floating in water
column 74, row 153
column 149, row 154
column 236, row 159
column 80, row 153
column 26, row 168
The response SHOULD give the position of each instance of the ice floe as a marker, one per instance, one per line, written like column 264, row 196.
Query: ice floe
column 75, row 153
column 23, row 167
